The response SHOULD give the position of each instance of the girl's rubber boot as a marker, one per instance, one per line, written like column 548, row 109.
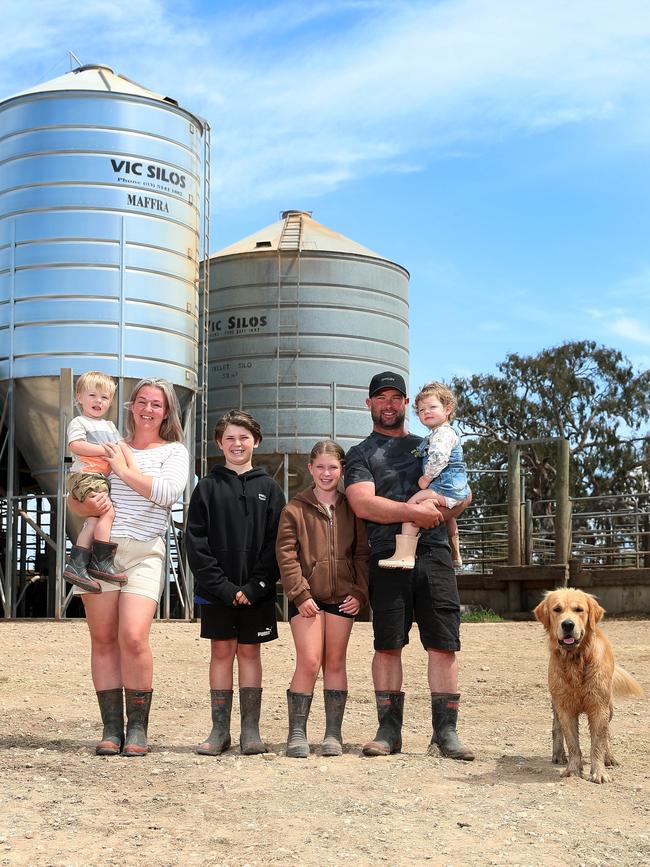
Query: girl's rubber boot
column 138, row 705
column 218, row 741
column 76, row 570
column 111, row 707
column 250, row 704
column 298, row 704
column 404, row 556
column 454, row 544
column 390, row 713
column 444, row 717
column 102, row 564
column 332, row 743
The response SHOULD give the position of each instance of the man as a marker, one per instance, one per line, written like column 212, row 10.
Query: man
column 381, row 473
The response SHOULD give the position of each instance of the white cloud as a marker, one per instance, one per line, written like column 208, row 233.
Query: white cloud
column 631, row 329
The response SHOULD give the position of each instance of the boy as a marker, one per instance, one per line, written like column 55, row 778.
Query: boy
column 232, row 523
column 93, row 555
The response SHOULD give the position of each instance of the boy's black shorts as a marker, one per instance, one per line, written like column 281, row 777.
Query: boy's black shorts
column 247, row 624
column 427, row 594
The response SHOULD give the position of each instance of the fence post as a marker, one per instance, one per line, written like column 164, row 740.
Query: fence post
column 563, row 504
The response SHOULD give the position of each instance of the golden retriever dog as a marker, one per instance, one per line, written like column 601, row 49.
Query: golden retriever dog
column 582, row 678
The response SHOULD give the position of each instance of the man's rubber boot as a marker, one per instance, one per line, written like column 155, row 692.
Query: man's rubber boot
column 332, row 743
column 390, row 713
column 444, row 716
column 404, row 556
column 111, row 707
column 298, row 704
column 454, row 544
column 102, row 564
column 76, row 570
column 218, row 740
column 250, row 703
column 138, row 705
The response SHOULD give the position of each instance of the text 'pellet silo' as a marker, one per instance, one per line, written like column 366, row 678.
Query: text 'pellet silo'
column 100, row 192
column 300, row 320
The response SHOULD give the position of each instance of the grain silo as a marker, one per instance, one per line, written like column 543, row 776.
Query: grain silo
column 300, row 320
column 100, row 189
column 101, row 230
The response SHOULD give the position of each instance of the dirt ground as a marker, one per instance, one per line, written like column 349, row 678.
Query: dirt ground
column 61, row 805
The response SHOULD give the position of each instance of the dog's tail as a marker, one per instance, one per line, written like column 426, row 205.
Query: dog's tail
column 624, row 684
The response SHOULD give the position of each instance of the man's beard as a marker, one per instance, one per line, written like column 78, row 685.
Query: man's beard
column 396, row 422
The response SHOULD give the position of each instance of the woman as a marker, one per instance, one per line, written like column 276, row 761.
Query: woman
column 322, row 552
column 148, row 474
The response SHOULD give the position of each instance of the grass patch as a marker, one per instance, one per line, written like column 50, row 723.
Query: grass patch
column 478, row 614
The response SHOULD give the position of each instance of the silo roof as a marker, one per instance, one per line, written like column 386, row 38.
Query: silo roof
column 92, row 77
column 315, row 236
column 96, row 77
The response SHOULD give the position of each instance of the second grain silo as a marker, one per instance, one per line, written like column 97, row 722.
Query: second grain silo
column 300, row 320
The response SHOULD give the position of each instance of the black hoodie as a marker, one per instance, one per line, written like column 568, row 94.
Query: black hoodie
column 232, row 523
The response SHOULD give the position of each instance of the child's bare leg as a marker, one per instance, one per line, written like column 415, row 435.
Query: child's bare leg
column 103, row 565
column 407, row 542
column 104, row 525
column 87, row 534
column 454, row 541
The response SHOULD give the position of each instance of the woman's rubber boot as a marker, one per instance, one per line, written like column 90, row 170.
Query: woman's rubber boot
column 76, row 570
column 298, row 704
column 390, row 713
column 404, row 556
column 250, row 703
column 111, row 707
column 218, row 740
column 444, row 717
column 454, row 544
column 332, row 743
column 102, row 564
column 138, row 705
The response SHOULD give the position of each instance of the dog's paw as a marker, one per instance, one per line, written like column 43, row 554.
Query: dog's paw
column 572, row 771
column 598, row 776
column 559, row 758
column 610, row 761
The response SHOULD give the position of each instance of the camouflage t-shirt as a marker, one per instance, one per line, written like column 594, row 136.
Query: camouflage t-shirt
column 389, row 462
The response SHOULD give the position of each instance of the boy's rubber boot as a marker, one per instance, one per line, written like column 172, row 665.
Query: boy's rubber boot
column 138, row 705
column 250, row 704
column 332, row 743
column 111, row 707
column 76, row 570
column 390, row 713
column 298, row 704
column 444, row 717
column 404, row 556
column 102, row 564
column 218, row 741
column 454, row 544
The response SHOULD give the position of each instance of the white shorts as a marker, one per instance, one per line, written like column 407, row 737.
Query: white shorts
column 142, row 562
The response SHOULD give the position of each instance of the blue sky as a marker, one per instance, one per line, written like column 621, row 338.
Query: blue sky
column 498, row 149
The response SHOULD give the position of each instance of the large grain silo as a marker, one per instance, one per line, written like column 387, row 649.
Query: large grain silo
column 100, row 188
column 101, row 185
column 300, row 320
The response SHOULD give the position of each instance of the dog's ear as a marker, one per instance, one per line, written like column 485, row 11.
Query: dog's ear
column 542, row 613
column 596, row 611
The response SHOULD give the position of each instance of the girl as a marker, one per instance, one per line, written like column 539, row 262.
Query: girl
column 322, row 552
column 444, row 476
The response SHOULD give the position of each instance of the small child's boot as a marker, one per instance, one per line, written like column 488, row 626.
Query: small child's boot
column 76, row 570
column 454, row 544
column 404, row 556
column 102, row 564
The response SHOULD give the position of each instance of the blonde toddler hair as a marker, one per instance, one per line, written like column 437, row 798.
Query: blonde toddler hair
column 437, row 389
column 95, row 379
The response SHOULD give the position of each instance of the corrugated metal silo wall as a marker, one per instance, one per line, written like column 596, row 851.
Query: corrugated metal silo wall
column 298, row 349
column 99, row 249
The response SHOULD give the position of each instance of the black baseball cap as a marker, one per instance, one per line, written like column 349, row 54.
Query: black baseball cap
column 387, row 379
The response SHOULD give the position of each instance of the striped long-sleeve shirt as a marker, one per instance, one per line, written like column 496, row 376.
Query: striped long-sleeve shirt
column 137, row 517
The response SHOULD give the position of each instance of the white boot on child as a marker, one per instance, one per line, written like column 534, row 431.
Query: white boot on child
column 404, row 556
